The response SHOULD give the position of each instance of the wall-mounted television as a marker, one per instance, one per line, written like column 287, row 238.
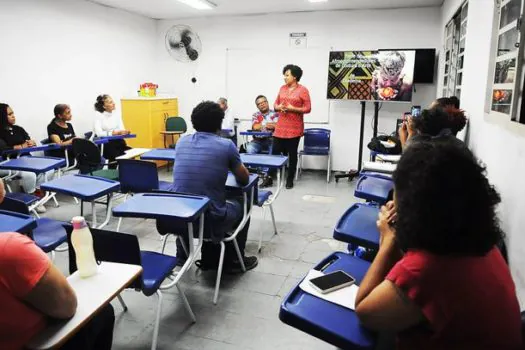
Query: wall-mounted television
column 425, row 65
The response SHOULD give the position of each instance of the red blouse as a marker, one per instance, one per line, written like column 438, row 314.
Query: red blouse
column 470, row 302
column 291, row 124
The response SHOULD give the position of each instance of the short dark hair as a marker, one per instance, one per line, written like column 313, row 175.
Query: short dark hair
column 3, row 115
column 99, row 104
column 445, row 203
column 60, row 109
column 431, row 121
column 296, row 71
column 454, row 100
column 207, row 117
column 260, row 96
column 443, row 102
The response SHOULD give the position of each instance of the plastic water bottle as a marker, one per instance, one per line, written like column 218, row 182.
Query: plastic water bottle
column 82, row 241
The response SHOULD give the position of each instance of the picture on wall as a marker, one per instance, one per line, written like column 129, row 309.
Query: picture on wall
column 385, row 76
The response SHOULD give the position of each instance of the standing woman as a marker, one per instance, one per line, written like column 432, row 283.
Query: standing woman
column 61, row 132
column 108, row 123
column 292, row 103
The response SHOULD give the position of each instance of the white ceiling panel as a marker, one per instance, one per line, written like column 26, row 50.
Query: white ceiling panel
column 172, row 9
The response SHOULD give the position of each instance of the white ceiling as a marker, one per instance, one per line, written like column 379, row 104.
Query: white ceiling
column 172, row 9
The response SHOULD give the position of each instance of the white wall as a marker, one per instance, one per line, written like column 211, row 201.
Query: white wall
column 500, row 144
column 341, row 30
column 69, row 51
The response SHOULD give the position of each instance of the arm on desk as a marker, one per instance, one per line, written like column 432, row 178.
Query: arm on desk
column 53, row 295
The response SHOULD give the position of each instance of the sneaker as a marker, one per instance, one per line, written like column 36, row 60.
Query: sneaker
column 289, row 184
column 250, row 262
column 40, row 209
column 267, row 182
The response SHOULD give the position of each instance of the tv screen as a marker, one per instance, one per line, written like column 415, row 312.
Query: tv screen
column 424, row 67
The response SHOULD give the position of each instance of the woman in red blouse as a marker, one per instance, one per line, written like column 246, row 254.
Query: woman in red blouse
column 452, row 288
column 292, row 103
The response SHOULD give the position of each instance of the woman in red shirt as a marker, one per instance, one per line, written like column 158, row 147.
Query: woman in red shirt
column 452, row 288
column 292, row 103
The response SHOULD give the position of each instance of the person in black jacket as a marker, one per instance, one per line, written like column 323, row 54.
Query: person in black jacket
column 15, row 137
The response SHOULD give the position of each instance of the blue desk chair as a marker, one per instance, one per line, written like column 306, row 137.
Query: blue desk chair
column 139, row 176
column 358, row 226
column 316, row 143
column 322, row 319
column 48, row 235
column 124, row 248
column 374, row 188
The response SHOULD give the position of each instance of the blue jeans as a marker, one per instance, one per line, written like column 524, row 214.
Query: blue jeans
column 258, row 145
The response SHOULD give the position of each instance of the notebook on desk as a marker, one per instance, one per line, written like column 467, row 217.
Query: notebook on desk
column 344, row 297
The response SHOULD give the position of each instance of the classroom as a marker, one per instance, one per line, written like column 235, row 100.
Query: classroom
column 279, row 174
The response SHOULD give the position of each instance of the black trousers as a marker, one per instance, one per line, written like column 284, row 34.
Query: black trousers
column 97, row 334
column 288, row 147
column 114, row 149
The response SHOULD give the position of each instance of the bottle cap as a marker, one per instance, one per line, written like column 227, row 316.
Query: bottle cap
column 78, row 222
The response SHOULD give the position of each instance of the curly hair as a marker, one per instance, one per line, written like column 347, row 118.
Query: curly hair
column 433, row 121
column 99, row 104
column 296, row 71
column 445, row 203
column 207, row 117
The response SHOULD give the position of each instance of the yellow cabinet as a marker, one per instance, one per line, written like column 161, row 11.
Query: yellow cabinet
column 146, row 117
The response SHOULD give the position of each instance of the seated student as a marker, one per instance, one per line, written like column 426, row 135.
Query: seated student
column 263, row 120
column 15, row 137
column 229, row 120
column 109, row 124
column 439, row 281
column 61, row 132
column 203, row 162
column 432, row 123
column 33, row 291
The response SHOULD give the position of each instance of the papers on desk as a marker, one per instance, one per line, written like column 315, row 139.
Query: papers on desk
column 387, row 168
column 133, row 153
column 344, row 297
column 391, row 158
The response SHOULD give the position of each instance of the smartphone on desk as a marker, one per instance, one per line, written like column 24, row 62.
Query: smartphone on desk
column 332, row 281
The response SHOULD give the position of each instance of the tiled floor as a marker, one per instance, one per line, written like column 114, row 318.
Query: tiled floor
column 246, row 316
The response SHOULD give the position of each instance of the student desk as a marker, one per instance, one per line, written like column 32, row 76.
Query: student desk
column 358, row 226
column 42, row 148
column 270, row 162
column 16, row 222
column 166, row 154
column 93, row 293
column 374, row 188
column 116, row 137
column 87, row 189
column 37, row 165
column 246, row 134
column 322, row 319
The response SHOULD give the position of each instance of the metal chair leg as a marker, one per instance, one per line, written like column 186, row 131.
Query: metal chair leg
column 239, row 256
column 260, row 228
column 219, row 273
column 53, row 256
column 157, row 322
column 121, row 301
column 273, row 219
column 186, row 303
column 328, row 170
column 183, row 246
column 119, row 223
column 299, row 161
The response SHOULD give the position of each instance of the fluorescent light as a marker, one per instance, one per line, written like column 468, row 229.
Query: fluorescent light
column 199, row 4
column 318, row 0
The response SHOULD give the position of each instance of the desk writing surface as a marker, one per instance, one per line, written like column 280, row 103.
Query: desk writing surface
column 82, row 186
column 16, row 222
column 37, row 165
column 167, row 154
column 92, row 294
column 262, row 160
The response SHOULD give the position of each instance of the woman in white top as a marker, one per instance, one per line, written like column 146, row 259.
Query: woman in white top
column 108, row 123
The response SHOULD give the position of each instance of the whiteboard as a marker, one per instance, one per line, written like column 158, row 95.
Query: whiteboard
column 253, row 72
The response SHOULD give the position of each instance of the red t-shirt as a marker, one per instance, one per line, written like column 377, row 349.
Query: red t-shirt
column 290, row 124
column 469, row 302
column 22, row 265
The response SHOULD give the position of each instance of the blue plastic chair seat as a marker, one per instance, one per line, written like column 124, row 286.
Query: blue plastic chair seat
column 28, row 199
column 49, row 234
column 263, row 196
column 156, row 267
column 165, row 185
column 358, row 226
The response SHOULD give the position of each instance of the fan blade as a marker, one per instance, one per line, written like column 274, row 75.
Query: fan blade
column 175, row 45
column 192, row 54
column 185, row 37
